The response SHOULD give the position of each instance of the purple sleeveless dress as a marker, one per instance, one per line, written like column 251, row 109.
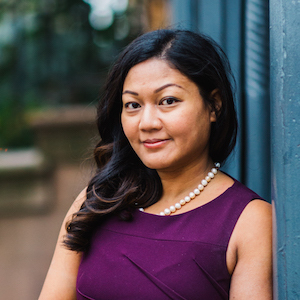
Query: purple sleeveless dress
column 164, row 257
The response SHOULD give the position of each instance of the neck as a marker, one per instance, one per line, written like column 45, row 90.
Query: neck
column 179, row 183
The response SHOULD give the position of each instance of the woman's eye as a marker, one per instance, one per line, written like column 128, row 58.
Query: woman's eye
column 132, row 105
column 168, row 101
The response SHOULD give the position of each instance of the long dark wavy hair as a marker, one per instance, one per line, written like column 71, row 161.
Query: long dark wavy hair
column 122, row 182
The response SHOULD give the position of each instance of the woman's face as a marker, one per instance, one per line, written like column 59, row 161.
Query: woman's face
column 164, row 117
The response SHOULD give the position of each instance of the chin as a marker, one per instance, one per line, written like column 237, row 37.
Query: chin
column 156, row 165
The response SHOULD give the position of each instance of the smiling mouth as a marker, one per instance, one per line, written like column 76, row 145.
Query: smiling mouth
column 154, row 143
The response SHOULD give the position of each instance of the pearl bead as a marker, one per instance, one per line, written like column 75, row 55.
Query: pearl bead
column 187, row 199
column 214, row 170
column 182, row 202
column 172, row 208
column 178, row 205
column 192, row 195
column 211, row 175
column 167, row 212
column 200, row 187
column 196, row 192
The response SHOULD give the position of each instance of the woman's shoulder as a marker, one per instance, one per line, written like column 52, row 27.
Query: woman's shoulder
column 258, row 210
column 252, row 234
column 80, row 199
column 243, row 199
column 60, row 282
column 76, row 205
column 256, row 218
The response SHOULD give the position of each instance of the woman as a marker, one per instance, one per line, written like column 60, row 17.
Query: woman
column 158, row 220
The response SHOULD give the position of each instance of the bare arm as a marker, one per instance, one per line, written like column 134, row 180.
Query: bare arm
column 60, row 282
column 252, row 241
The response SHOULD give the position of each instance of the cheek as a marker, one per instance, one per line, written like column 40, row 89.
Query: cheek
column 185, row 123
column 124, row 125
column 194, row 127
column 128, row 128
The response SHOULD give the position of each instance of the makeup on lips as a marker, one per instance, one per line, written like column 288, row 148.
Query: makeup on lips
column 154, row 143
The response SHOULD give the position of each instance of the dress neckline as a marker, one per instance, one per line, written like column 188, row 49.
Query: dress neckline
column 194, row 209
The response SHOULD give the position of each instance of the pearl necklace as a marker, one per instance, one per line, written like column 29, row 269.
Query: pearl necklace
column 192, row 195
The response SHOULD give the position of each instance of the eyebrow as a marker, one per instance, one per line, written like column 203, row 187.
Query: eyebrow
column 156, row 91
column 165, row 86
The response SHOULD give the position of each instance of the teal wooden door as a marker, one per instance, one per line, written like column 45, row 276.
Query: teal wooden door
column 242, row 29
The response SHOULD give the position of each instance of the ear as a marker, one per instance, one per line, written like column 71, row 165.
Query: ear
column 216, row 105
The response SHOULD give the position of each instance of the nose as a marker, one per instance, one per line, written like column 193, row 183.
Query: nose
column 150, row 119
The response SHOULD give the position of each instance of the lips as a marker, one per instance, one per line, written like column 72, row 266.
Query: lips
column 155, row 143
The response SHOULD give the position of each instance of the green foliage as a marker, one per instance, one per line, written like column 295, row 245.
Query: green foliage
column 14, row 130
column 50, row 55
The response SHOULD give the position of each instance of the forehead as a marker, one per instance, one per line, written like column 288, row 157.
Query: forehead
column 153, row 73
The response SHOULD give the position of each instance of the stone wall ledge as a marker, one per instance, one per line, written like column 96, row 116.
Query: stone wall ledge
column 65, row 134
column 26, row 183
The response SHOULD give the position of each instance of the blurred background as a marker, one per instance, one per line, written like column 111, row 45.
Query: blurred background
column 54, row 57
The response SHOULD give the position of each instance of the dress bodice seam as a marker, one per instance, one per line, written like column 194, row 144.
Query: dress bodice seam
column 164, row 239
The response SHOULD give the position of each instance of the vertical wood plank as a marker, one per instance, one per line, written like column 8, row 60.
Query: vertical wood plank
column 257, row 98
column 285, row 120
